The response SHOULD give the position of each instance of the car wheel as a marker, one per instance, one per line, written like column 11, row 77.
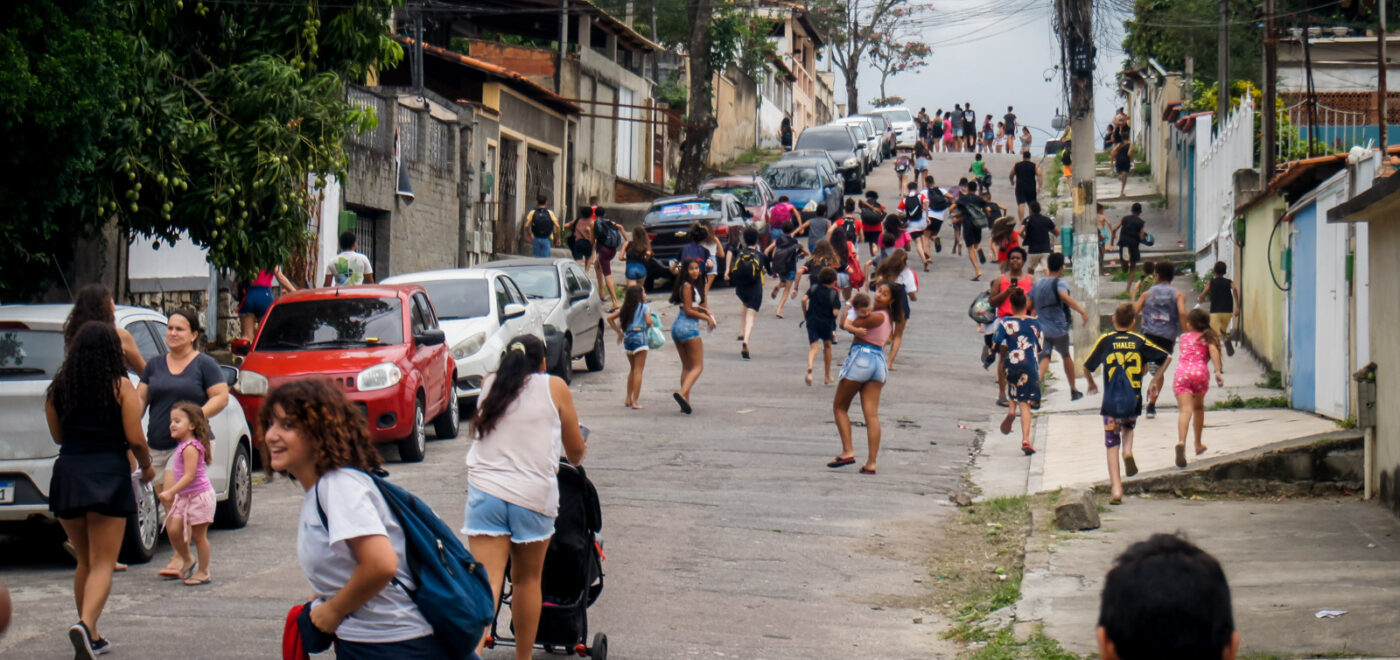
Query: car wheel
column 594, row 360
column 565, row 369
column 446, row 423
column 233, row 513
column 412, row 448
column 142, row 528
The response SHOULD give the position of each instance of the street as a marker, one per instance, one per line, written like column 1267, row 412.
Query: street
column 725, row 534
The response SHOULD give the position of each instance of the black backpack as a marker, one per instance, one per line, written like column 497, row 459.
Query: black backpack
column 937, row 201
column 785, row 256
column 913, row 207
column 609, row 235
column 747, row 268
column 541, row 225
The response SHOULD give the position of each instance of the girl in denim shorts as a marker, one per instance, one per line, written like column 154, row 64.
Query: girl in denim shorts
column 865, row 371
column 633, row 339
column 689, row 294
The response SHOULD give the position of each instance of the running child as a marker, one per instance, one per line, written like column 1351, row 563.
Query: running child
column 936, row 207
column 1200, row 348
column 872, row 214
column 747, row 277
column 1123, row 351
column 1224, row 304
column 820, row 306
column 637, row 252
column 190, row 500
column 1018, row 338
column 915, row 207
column 634, row 339
column 980, row 173
column 783, row 255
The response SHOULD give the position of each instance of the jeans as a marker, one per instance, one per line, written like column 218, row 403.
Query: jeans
column 542, row 246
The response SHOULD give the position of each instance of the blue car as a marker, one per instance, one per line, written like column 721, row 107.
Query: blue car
column 806, row 183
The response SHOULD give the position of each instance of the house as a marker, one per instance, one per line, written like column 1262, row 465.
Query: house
column 798, row 44
column 1345, row 83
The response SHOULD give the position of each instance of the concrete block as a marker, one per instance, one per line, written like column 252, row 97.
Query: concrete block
column 1344, row 465
column 1296, row 467
column 1077, row 511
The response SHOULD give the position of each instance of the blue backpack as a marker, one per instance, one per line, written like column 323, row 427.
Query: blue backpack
column 453, row 591
column 1119, row 397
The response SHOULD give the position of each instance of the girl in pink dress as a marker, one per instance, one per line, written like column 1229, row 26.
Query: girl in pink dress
column 189, row 502
column 1198, row 348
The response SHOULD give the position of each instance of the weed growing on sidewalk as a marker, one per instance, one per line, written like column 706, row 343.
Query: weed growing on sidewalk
column 978, row 569
column 1003, row 645
column 1273, row 380
column 1235, row 402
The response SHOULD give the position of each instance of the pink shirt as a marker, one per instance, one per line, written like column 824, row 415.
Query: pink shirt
column 264, row 278
column 200, row 483
column 880, row 334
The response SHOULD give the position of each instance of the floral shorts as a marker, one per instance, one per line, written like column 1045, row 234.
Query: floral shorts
column 1023, row 385
column 1113, row 430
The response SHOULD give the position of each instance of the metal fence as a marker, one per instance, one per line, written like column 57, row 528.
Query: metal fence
column 1333, row 129
column 382, row 137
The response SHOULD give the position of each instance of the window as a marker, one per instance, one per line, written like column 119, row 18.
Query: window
column 30, row 354
column 581, row 279
column 459, row 299
column 332, row 323
column 515, row 295
column 502, row 298
column 429, row 316
column 417, row 322
column 149, row 338
column 536, row 281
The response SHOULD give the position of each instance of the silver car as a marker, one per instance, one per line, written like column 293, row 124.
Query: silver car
column 571, row 309
column 31, row 350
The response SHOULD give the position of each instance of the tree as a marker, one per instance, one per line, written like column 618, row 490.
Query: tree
column 700, row 118
column 892, row 57
column 854, row 29
column 210, row 119
column 1169, row 30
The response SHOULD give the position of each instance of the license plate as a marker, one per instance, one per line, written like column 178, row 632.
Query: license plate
column 7, row 492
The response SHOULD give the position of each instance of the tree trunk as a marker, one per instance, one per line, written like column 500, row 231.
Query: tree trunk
column 700, row 123
column 852, row 92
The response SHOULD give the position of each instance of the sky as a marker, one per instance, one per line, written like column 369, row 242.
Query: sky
column 996, row 53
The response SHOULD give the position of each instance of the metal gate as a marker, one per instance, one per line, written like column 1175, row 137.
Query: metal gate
column 539, row 180
column 506, row 223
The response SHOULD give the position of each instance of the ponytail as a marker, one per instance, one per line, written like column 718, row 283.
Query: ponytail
column 1199, row 321
column 522, row 357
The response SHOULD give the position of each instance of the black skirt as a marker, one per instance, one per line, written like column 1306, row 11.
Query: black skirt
column 97, row 482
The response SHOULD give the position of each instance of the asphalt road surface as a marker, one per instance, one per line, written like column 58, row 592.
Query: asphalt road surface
column 725, row 534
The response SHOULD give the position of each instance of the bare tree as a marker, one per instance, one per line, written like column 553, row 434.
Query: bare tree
column 855, row 29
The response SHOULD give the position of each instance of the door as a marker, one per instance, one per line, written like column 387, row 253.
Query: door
column 539, row 180
column 423, row 357
column 1332, row 365
column 508, row 222
column 438, row 355
column 578, row 290
column 1302, row 309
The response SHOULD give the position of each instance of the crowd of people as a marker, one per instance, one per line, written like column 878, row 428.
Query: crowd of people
column 958, row 130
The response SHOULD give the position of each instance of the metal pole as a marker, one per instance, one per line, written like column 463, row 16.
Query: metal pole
column 417, row 63
column 1382, row 118
column 563, row 46
column 1307, row 64
column 1222, row 68
column 1268, row 150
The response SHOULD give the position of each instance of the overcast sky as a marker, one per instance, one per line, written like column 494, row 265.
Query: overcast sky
column 996, row 53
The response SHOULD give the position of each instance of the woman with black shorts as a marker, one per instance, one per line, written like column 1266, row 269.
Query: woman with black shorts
column 94, row 416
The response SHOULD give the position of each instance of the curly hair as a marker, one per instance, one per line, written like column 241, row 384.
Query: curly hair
column 87, row 380
column 93, row 303
column 336, row 429
column 199, row 426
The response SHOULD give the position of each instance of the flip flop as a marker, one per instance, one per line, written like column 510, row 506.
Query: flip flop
column 1116, row 501
column 866, row 470
column 1130, row 466
column 1006, row 423
column 842, row 462
column 191, row 582
column 1181, row 456
column 1003, row 403
column 685, row 405
column 744, row 352
column 1027, row 449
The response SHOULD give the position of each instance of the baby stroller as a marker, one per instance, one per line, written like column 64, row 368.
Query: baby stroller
column 573, row 573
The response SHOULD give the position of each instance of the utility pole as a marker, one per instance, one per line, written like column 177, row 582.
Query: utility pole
column 563, row 47
column 1381, row 68
column 1222, row 68
column 1267, row 151
column 1075, row 23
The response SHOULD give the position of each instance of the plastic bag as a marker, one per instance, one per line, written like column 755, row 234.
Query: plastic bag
column 981, row 309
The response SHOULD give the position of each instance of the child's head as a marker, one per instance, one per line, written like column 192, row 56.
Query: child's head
column 1199, row 320
column 1016, row 258
column 1149, row 267
column 1034, row 206
column 789, row 227
column 1017, row 300
column 1166, row 598
column 1220, row 269
column 887, row 240
column 1165, row 271
column 928, row 181
column 827, row 276
column 1124, row 316
column 634, row 295
column 850, row 205
column 187, row 421
column 1137, row 208
column 783, row 199
column 977, row 157
column 912, row 187
column 698, row 233
column 750, row 236
column 309, row 424
column 585, row 213
column 872, row 195
column 602, row 212
column 1055, row 262
column 593, row 201
column 861, row 303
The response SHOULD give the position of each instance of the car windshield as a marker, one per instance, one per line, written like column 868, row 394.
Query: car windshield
column 29, row 354
column 459, row 299
column 897, row 116
column 329, row 323
column 877, row 120
column 859, row 130
column 690, row 209
column 746, row 194
column 829, row 140
column 536, row 281
column 793, row 177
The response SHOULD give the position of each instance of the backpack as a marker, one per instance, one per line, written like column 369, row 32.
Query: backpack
column 540, row 223
column 937, row 200
column 848, row 225
column 901, row 164
column 976, row 214
column 609, row 235
column 453, row 592
column 853, row 268
column 1119, row 398
column 699, row 253
column 747, row 268
column 913, row 207
column 785, row 256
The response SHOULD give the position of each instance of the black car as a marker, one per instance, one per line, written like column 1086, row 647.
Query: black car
column 669, row 220
column 839, row 143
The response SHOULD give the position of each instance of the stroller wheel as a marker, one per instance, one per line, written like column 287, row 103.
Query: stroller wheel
column 600, row 647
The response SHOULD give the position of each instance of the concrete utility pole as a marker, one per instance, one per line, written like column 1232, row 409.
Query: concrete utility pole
column 1075, row 20
column 1222, row 68
column 1267, row 150
column 1381, row 68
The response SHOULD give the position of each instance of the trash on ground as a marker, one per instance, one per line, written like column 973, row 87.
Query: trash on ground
column 1329, row 614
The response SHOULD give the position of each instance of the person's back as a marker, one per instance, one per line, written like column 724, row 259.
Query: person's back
column 518, row 459
column 1160, row 315
column 1222, row 298
column 1039, row 229
column 1025, row 176
column 823, row 303
column 1050, row 309
column 1130, row 231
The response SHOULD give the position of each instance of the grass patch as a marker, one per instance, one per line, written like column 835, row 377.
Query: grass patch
column 1236, row 403
column 1119, row 275
column 1122, row 295
column 1199, row 283
column 1348, row 423
column 755, row 157
column 1159, row 202
column 978, row 569
column 1003, row 645
column 1272, row 380
column 1142, row 168
column 1053, row 177
column 1102, row 157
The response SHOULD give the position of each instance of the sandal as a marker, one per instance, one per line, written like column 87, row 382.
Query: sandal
column 1027, row 448
column 842, row 462
column 866, row 470
column 744, row 352
column 685, row 405
column 1130, row 466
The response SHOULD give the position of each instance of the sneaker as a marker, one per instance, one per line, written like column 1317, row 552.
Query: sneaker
column 82, row 642
column 1151, row 411
column 937, row 245
column 101, row 647
column 1075, row 395
column 981, row 256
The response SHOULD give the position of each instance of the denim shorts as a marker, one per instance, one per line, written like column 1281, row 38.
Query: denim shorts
column 865, row 363
column 256, row 301
column 542, row 246
column 775, row 233
column 488, row 515
column 634, row 341
column 636, row 270
column 843, row 280
column 685, row 328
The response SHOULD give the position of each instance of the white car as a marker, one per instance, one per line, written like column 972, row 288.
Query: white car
column 479, row 310
column 873, row 136
column 907, row 132
column 569, row 306
column 31, row 350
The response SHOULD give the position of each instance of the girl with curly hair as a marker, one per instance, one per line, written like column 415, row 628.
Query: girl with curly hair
column 94, row 417
column 349, row 543
column 525, row 421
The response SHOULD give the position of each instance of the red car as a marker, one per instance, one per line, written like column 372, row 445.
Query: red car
column 381, row 343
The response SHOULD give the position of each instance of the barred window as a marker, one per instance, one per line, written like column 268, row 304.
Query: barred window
column 408, row 134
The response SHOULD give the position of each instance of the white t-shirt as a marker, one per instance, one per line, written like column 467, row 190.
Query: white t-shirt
column 910, row 282
column 348, row 268
column 354, row 507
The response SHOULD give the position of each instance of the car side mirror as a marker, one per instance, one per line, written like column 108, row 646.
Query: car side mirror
column 230, row 374
column 241, row 347
column 513, row 311
column 430, row 337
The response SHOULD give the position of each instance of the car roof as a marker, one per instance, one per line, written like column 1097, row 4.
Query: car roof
column 827, row 128
column 52, row 316
column 729, row 181
column 517, row 262
column 444, row 274
column 378, row 290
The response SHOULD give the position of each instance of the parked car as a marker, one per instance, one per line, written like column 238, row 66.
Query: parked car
column 572, row 312
column 668, row 225
column 479, row 310
column 870, row 135
column 842, row 146
column 31, row 350
column 886, row 132
column 819, row 154
column 864, row 146
column 379, row 342
column 806, row 183
column 751, row 191
column 903, row 122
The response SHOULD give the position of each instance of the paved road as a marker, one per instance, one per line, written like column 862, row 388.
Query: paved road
column 725, row 534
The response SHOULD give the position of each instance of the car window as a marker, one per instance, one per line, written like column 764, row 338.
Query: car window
column 536, row 281
column 834, row 139
column 429, row 315
column 502, row 296
column 417, row 322
column 793, row 177
column 571, row 281
column 330, row 323
column 747, row 194
column 458, row 299
column 516, row 296
column 149, row 341
column 29, row 354
column 584, row 284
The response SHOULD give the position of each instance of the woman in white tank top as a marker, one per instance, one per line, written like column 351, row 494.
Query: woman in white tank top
column 525, row 419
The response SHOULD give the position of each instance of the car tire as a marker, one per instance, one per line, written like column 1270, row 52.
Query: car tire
column 142, row 528
column 595, row 359
column 233, row 513
column 447, row 422
column 565, row 369
column 413, row 447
